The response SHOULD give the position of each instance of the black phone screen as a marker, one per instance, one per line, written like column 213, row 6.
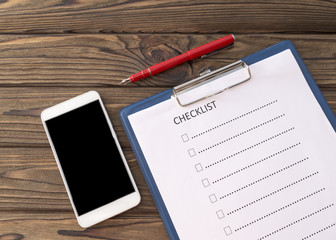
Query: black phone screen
column 90, row 159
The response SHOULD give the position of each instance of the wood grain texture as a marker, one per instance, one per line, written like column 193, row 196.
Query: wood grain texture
column 166, row 16
column 33, row 196
column 30, row 180
column 20, row 124
column 97, row 60
column 58, row 225
column 20, row 108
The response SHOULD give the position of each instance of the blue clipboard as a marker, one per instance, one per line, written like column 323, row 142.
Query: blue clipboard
column 146, row 103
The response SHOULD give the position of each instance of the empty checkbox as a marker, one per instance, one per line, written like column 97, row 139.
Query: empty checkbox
column 220, row 214
column 191, row 152
column 206, row 182
column 213, row 198
column 227, row 230
column 185, row 137
column 198, row 167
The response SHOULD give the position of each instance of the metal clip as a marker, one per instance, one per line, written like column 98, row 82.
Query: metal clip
column 211, row 83
column 217, row 51
column 204, row 71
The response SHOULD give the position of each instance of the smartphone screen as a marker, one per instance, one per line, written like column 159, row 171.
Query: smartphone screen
column 89, row 157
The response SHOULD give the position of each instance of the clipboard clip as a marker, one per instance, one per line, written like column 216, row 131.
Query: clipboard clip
column 211, row 83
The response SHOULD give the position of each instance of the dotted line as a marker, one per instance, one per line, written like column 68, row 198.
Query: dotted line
column 272, row 193
column 242, row 133
column 255, row 145
column 264, row 178
column 234, row 119
column 319, row 231
column 280, row 209
column 255, row 163
column 297, row 221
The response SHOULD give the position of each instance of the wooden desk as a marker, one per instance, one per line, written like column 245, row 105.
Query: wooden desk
column 54, row 50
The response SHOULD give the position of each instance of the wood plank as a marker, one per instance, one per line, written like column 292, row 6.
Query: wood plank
column 86, row 16
column 104, row 60
column 20, row 108
column 30, row 182
column 34, row 203
column 59, row 225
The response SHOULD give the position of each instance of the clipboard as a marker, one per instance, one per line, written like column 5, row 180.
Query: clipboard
column 180, row 90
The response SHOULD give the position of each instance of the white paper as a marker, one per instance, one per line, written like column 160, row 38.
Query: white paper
column 254, row 162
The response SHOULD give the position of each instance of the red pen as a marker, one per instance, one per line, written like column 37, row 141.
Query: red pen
column 190, row 55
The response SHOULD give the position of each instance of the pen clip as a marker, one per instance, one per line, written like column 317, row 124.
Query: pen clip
column 217, row 51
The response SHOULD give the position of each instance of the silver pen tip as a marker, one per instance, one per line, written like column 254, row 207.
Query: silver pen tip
column 125, row 81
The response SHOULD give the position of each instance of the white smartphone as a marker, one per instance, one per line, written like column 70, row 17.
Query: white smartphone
column 89, row 157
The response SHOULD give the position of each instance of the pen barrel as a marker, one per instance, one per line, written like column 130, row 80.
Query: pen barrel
column 170, row 63
column 140, row 75
column 211, row 46
column 160, row 67
column 190, row 55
